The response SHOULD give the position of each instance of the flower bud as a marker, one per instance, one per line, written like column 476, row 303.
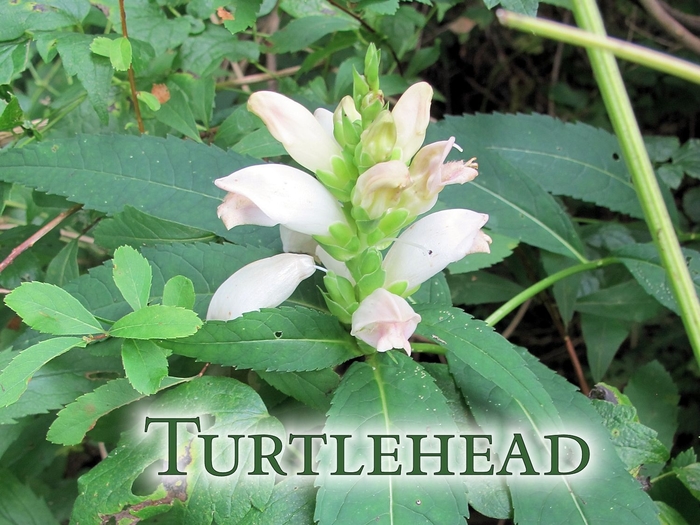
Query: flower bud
column 412, row 116
column 378, row 189
column 377, row 141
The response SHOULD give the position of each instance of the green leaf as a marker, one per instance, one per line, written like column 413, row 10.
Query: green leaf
column 177, row 114
column 51, row 310
column 481, row 287
column 434, row 291
column 19, row 505
column 518, row 206
column 202, row 54
column 12, row 115
column 13, row 59
column 200, row 92
column 688, row 158
column 635, row 443
column 283, row 339
column 292, row 503
column 626, row 301
column 311, row 388
column 603, row 337
column 668, row 515
column 145, row 364
column 93, row 72
column 149, row 99
column 77, row 418
column 386, row 395
column 303, row 32
column 137, row 229
column 501, row 248
column 655, row 396
column 244, row 13
column 64, row 267
column 259, row 144
column 525, row 7
column 690, row 477
column 179, row 291
column 157, row 322
column 565, row 291
column 16, row 375
column 644, row 263
column 168, row 178
column 133, row 275
column 107, row 489
column 120, row 53
column 102, row 46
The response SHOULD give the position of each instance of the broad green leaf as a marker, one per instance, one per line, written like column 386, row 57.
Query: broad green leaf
column 93, row 72
column 77, row 418
column 311, row 388
column 259, row 144
column 525, row 7
column 691, row 203
column 603, row 337
column 102, row 46
column 655, row 396
column 133, row 275
column 145, row 364
column 244, row 15
column 16, row 375
column 202, row 54
column 157, row 322
column 434, row 291
column 474, row 346
column 179, row 291
column 200, row 93
column 501, row 248
column 137, row 229
column 12, row 114
column 390, row 394
column 19, row 505
column 177, row 114
column 120, row 54
column 51, row 310
column 626, row 301
column 636, row 444
column 518, row 206
column 13, row 59
column 643, row 261
column 690, row 477
column 565, row 290
column 168, row 178
column 64, row 267
column 687, row 157
column 283, row 339
column 668, row 515
column 19, row 16
column 661, row 148
column 107, row 489
column 481, row 287
column 292, row 503
column 303, row 32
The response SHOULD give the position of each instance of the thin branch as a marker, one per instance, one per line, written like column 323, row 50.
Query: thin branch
column 583, row 384
column 556, row 66
column 132, row 78
column 671, row 25
column 46, row 228
column 516, row 319
column 258, row 77
column 683, row 17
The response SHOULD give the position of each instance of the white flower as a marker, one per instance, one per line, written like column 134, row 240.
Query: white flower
column 411, row 117
column 379, row 188
column 270, row 194
column 265, row 283
column 302, row 135
column 385, row 321
column 295, row 242
column 430, row 244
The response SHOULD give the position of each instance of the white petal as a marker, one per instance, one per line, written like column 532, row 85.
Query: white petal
column 283, row 195
column 333, row 265
column 295, row 242
column 411, row 116
column 379, row 188
column 430, row 244
column 325, row 118
column 296, row 128
column 261, row 284
column 385, row 321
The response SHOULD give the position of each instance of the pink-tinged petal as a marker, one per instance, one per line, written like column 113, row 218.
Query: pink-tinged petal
column 269, row 194
column 304, row 138
column 385, row 321
column 379, row 188
column 430, row 244
column 261, row 284
column 411, row 116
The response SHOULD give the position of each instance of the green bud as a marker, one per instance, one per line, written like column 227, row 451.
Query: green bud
column 372, row 59
column 398, row 288
column 370, row 283
column 379, row 138
column 342, row 233
column 337, row 310
column 342, row 291
column 371, row 261
column 339, row 187
column 359, row 87
column 394, row 220
column 372, row 104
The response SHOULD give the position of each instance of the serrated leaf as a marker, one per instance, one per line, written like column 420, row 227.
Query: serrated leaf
column 51, row 310
column 177, row 114
column 644, row 263
column 20, row 506
column 244, row 15
column 120, row 53
column 390, row 394
column 102, row 46
column 501, row 248
column 690, row 477
column 311, row 388
column 77, row 418
column 202, row 54
column 603, row 337
column 283, row 339
column 168, row 178
column 135, row 228
column 517, row 205
column 179, row 291
column 107, row 489
column 668, row 515
column 157, row 322
column 13, row 59
column 16, row 375
column 145, row 364
column 687, row 157
column 434, row 291
column 292, row 503
column 12, row 115
column 133, row 275
column 303, row 32
column 481, row 287
column 64, row 267
column 525, row 7
column 626, row 301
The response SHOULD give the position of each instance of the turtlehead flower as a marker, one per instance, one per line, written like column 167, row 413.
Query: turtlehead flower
column 270, row 194
column 411, row 117
column 385, row 321
column 261, row 284
column 295, row 242
column 430, row 244
column 379, row 188
column 301, row 134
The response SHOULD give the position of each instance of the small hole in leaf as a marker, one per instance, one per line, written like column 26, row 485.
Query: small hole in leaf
column 616, row 156
column 278, row 334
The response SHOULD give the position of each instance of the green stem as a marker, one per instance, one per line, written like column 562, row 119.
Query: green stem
column 539, row 286
column 687, row 237
column 662, row 476
column 627, row 130
column 632, row 52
